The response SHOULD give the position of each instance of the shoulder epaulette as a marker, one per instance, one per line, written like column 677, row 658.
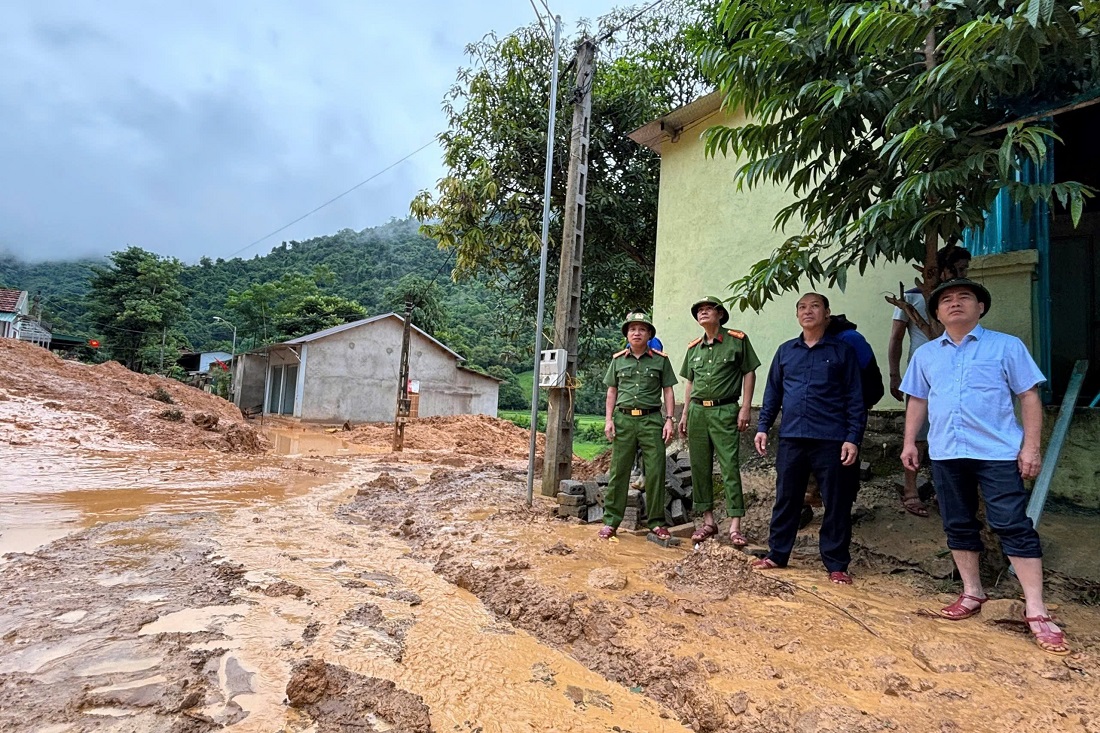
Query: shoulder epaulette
column 658, row 352
column 616, row 356
column 736, row 334
column 695, row 342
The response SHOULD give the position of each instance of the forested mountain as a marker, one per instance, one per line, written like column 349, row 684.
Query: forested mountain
column 337, row 277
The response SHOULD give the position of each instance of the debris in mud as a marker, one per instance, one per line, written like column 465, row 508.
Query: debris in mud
column 559, row 548
column 171, row 415
column 542, row 673
column 718, row 569
column 338, row 700
column 388, row 483
column 607, row 579
column 160, row 394
column 283, row 588
column 205, row 420
column 582, row 697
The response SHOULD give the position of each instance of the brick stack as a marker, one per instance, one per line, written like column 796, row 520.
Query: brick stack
column 584, row 499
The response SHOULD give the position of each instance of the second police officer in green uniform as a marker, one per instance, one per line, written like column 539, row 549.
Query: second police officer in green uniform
column 714, row 368
column 639, row 382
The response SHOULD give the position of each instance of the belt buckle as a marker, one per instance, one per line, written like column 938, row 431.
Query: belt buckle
column 635, row 413
column 708, row 403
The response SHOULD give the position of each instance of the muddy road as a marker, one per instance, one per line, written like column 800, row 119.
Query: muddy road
column 167, row 577
column 382, row 592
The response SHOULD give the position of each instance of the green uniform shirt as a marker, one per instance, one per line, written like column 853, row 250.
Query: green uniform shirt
column 715, row 370
column 640, row 380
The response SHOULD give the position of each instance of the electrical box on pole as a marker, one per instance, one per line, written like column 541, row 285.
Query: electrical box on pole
column 552, row 367
column 558, row 462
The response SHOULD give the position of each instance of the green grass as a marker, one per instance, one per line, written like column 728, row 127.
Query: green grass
column 584, row 449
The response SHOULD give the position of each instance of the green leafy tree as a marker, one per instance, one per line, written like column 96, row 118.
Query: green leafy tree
column 428, row 313
column 488, row 207
column 134, row 301
column 312, row 313
column 886, row 120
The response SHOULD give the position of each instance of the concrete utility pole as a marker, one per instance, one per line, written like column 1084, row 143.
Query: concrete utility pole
column 551, row 120
column 558, row 462
column 404, row 404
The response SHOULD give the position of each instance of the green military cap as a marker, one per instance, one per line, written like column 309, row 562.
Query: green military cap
column 960, row 282
column 717, row 303
column 639, row 317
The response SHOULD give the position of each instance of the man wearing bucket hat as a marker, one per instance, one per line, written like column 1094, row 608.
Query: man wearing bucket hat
column 639, row 382
column 964, row 382
column 718, row 367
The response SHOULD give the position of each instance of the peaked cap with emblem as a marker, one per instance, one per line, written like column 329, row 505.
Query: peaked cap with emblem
column 711, row 300
column 639, row 317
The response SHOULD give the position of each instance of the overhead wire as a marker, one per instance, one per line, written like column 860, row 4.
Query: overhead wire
column 334, row 199
column 611, row 31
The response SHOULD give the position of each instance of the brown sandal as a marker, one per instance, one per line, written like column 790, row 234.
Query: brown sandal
column 765, row 563
column 737, row 539
column 705, row 532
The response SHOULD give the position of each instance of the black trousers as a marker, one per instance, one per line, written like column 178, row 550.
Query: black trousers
column 797, row 458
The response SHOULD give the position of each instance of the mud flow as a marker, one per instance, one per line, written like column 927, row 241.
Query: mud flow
column 317, row 581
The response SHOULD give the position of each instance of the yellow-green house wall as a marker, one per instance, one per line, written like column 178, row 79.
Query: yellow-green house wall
column 709, row 234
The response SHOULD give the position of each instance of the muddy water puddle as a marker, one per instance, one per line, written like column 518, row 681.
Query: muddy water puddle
column 375, row 611
column 47, row 494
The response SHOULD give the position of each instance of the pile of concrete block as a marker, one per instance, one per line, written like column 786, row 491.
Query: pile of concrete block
column 584, row 499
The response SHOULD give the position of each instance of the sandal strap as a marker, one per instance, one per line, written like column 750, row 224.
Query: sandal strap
column 969, row 597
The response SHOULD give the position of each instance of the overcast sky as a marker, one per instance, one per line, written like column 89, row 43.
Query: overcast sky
column 194, row 128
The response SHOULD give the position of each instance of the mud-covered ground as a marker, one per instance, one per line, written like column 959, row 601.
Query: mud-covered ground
column 348, row 588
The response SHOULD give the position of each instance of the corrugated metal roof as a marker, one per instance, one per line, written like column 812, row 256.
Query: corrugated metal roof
column 356, row 324
column 9, row 300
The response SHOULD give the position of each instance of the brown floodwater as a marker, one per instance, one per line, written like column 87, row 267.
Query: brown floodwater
column 50, row 492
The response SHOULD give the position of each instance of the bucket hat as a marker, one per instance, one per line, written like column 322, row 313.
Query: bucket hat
column 960, row 282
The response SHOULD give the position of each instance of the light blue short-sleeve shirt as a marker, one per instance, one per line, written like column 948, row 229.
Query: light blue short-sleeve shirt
column 969, row 387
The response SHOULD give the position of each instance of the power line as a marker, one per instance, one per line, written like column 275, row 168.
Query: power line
column 611, row 31
column 332, row 200
column 541, row 23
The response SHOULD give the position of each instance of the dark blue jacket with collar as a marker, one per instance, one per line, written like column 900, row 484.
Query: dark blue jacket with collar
column 818, row 389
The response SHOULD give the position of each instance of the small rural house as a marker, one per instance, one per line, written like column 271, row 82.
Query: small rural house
column 200, row 362
column 16, row 322
column 350, row 372
column 1044, row 275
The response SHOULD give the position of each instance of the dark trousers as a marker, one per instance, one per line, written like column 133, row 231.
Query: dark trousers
column 797, row 458
column 957, row 485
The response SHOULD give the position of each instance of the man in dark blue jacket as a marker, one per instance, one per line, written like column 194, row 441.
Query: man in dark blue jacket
column 814, row 379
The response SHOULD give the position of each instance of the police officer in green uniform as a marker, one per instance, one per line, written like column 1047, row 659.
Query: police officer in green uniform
column 639, row 380
column 715, row 366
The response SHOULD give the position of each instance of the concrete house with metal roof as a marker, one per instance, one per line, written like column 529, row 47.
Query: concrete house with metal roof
column 350, row 372
column 16, row 322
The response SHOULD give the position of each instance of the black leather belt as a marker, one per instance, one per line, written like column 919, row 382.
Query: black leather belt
column 714, row 403
column 638, row 411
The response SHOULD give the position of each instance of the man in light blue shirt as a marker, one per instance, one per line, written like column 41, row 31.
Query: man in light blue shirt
column 963, row 382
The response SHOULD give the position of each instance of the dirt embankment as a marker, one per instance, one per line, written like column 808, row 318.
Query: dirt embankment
column 47, row 399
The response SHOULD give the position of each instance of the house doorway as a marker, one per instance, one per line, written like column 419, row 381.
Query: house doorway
column 1074, row 273
column 281, row 389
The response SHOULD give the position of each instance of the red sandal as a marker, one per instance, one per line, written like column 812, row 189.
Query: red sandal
column 661, row 533
column 737, row 539
column 607, row 532
column 957, row 611
column 840, row 577
column 705, row 532
column 1051, row 642
column 765, row 563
